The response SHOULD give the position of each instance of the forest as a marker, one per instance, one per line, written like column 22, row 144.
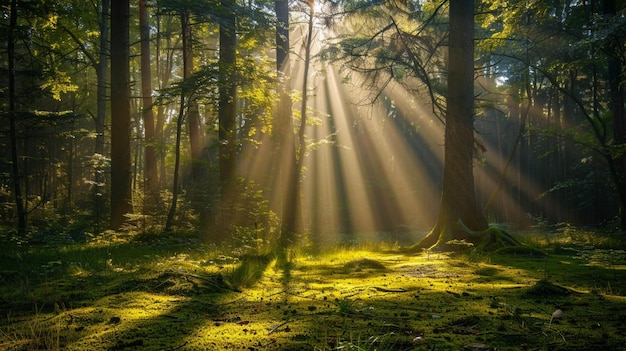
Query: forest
column 312, row 175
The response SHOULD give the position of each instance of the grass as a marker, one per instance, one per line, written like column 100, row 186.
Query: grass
column 175, row 293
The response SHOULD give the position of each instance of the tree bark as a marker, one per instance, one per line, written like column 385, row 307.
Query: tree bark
column 458, row 210
column 121, row 179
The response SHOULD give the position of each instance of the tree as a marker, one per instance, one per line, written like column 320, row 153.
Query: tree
column 458, row 209
column 391, row 52
column 285, row 154
column 292, row 214
column 120, row 114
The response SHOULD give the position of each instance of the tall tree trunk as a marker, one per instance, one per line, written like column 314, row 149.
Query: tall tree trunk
column 151, row 177
column 120, row 114
column 175, row 190
column 227, row 113
column 179, row 128
column 294, row 203
column 285, row 155
column 458, row 210
column 15, row 170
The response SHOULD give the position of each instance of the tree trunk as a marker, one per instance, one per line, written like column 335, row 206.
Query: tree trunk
column 175, row 190
column 120, row 114
column 294, row 203
column 15, row 170
column 458, row 209
column 285, row 155
column 150, row 176
column 179, row 127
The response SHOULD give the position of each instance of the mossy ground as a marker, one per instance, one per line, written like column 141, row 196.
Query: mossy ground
column 185, row 296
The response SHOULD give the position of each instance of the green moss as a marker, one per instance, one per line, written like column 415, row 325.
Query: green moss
column 545, row 289
column 350, row 299
column 363, row 263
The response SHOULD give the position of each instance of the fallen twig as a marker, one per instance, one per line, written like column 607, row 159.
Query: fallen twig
column 274, row 328
column 398, row 290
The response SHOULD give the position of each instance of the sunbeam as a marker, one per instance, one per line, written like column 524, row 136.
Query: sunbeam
column 375, row 167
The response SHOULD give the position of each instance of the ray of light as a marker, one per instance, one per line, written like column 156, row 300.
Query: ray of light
column 379, row 167
column 372, row 179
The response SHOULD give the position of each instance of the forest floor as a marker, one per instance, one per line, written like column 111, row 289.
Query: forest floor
column 177, row 294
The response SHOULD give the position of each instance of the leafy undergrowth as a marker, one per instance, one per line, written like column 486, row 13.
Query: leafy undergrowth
column 146, row 296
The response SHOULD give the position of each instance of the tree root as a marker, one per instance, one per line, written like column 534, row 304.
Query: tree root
column 497, row 240
column 490, row 240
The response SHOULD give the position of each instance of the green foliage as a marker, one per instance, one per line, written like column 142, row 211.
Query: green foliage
column 42, row 334
column 249, row 272
column 244, row 218
column 345, row 306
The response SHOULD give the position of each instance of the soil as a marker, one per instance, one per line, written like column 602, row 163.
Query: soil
column 190, row 298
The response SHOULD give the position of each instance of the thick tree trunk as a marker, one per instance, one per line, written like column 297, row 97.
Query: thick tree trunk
column 120, row 114
column 458, row 209
column 150, row 176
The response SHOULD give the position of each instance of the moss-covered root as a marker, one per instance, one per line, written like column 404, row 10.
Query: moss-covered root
column 495, row 238
column 490, row 239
